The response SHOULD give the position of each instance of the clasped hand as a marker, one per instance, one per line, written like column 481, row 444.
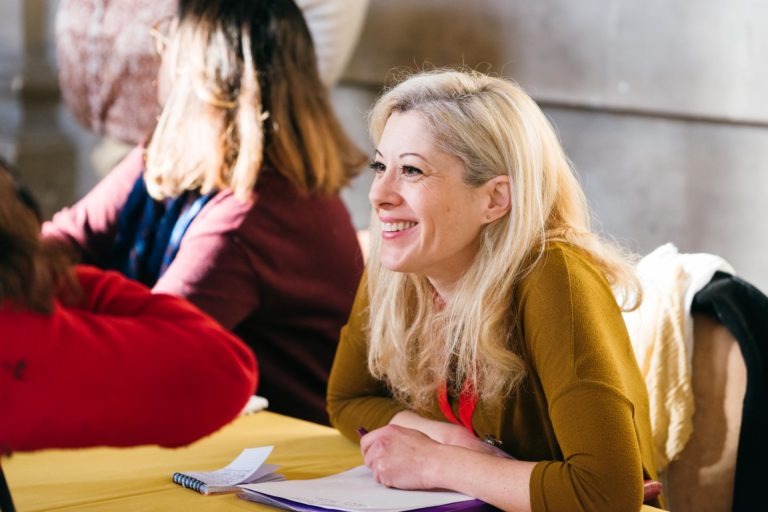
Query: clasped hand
column 409, row 459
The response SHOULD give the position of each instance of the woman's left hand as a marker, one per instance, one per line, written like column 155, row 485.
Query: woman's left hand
column 401, row 457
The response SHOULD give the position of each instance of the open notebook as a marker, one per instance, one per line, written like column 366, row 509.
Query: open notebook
column 248, row 467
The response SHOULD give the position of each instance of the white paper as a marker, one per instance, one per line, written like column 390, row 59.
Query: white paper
column 354, row 490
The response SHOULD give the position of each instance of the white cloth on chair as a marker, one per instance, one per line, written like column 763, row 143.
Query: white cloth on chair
column 661, row 331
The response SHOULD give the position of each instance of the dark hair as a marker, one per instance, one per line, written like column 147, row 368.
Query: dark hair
column 32, row 271
column 23, row 194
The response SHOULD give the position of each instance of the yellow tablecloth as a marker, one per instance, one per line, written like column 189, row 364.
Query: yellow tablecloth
column 139, row 479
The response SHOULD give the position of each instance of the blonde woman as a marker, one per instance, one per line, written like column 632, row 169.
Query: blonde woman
column 485, row 352
column 233, row 203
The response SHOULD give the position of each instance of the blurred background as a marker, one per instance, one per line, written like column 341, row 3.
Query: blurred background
column 660, row 105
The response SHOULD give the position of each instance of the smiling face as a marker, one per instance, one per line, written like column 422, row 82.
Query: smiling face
column 430, row 219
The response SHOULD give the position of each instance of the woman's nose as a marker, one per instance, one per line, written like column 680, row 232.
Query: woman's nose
column 384, row 189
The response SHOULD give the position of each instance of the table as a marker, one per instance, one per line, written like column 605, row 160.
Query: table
column 139, row 479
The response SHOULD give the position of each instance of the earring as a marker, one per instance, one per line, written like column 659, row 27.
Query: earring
column 487, row 217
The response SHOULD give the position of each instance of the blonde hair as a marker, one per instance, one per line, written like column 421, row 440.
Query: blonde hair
column 246, row 92
column 495, row 128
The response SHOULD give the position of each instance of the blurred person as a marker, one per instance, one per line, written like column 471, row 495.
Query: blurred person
column 108, row 67
column 90, row 358
column 233, row 203
column 485, row 352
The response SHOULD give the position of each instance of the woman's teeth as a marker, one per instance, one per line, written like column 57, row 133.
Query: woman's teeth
column 397, row 226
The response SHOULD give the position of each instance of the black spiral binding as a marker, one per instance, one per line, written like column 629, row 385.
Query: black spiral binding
column 189, row 483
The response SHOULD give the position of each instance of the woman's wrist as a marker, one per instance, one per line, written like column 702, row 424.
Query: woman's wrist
column 437, row 470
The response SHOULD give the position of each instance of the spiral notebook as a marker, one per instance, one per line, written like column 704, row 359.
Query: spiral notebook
column 247, row 468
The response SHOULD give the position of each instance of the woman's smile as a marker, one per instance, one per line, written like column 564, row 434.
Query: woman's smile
column 392, row 228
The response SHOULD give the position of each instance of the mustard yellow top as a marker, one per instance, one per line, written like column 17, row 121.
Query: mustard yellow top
column 581, row 411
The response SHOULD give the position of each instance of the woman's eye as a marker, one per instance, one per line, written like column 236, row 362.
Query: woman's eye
column 377, row 167
column 410, row 171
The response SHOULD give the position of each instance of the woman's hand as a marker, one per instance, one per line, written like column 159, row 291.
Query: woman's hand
column 456, row 435
column 446, row 433
column 406, row 458
column 401, row 457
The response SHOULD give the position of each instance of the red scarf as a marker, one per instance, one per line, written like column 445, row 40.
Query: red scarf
column 467, row 404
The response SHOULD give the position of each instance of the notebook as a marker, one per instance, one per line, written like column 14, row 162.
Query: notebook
column 248, row 467
column 354, row 490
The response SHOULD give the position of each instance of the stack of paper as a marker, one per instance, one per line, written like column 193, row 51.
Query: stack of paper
column 354, row 491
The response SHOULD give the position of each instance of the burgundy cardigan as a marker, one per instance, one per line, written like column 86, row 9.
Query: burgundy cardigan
column 280, row 271
column 121, row 367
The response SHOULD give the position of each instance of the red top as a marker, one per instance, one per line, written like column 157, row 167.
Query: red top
column 281, row 272
column 123, row 367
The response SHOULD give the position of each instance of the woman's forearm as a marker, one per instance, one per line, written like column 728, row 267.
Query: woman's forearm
column 441, row 431
column 503, row 483
column 446, row 433
column 435, row 429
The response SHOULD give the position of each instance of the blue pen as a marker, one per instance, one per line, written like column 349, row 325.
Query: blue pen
column 361, row 431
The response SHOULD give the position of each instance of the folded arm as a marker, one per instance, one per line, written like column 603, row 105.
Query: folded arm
column 409, row 459
column 126, row 367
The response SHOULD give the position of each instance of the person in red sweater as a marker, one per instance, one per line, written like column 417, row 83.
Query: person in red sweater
column 233, row 203
column 90, row 358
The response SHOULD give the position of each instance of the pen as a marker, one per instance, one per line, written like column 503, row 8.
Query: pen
column 361, row 431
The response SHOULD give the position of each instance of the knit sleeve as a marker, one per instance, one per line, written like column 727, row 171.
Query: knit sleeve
column 579, row 350
column 215, row 268
column 126, row 367
column 355, row 398
column 89, row 226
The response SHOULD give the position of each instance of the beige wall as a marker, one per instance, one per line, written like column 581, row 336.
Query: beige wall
column 660, row 105
column 689, row 57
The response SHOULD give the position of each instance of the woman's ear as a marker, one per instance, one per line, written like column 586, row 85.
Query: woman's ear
column 499, row 197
